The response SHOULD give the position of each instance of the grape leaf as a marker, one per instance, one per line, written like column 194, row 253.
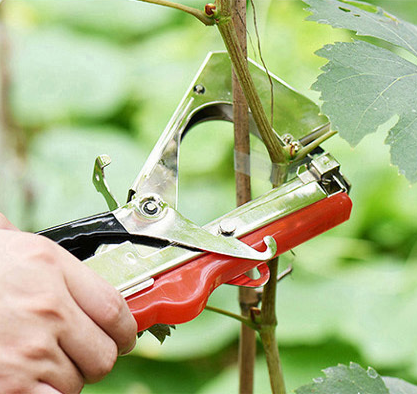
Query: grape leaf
column 346, row 380
column 366, row 20
column 161, row 331
column 363, row 85
column 398, row 386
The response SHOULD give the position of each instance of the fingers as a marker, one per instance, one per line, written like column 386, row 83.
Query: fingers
column 91, row 349
column 60, row 323
column 61, row 374
column 100, row 301
column 5, row 224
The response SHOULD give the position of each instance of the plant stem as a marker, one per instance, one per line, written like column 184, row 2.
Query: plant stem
column 231, row 41
column 248, row 297
column 267, row 331
column 303, row 152
column 200, row 15
column 278, row 156
column 222, row 17
column 240, row 318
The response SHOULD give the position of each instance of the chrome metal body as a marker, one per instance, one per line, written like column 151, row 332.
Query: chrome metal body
column 209, row 97
column 151, row 210
column 129, row 267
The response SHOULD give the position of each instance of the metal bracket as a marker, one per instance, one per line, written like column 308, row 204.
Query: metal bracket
column 100, row 182
column 210, row 98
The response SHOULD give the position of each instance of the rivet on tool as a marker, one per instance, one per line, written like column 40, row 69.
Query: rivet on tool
column 227, row 227
column 287, row 138
column 199, row 89
column 150, row 208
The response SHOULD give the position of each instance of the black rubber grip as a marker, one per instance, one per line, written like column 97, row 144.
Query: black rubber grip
column 82, row 237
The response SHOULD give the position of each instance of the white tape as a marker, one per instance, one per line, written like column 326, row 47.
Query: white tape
column 256, row 165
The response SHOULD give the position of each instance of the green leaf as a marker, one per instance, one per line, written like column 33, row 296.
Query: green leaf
column 364, row 86
column 366, row 20
column 161, row 331
column 398, row 386
column 346, row 380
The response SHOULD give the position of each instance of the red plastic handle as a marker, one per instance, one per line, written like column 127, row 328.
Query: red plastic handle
column 180, row 295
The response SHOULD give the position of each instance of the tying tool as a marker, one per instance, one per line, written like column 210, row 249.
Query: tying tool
column 165, row 265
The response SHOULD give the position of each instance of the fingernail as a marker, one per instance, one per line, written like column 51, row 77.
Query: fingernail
column 126, row 352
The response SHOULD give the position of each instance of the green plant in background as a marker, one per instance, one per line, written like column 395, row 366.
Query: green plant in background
column 345, row 282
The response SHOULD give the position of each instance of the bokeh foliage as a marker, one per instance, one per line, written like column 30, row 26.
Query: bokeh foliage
column 104, row 76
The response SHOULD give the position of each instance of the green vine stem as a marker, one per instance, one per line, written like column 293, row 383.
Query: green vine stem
column 278, row 156
column 267, row 331
column 200, row 15
column 220, row 14
column 303, row 152
column 226, row 28
column 248, row 297
column 242, row 319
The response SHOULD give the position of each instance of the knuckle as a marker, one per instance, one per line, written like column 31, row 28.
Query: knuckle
column 38, row 349
column 48, row 306
column 74, row 383
column 37, row 248
column 44, row 249
column 105, row 363
column 113, row 308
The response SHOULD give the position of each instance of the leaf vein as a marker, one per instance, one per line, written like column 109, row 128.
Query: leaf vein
column 378, row 97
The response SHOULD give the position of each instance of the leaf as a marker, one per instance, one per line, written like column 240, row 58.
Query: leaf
column 346, row 380
column 366, row 20
column 398, row 386
column 311, row 358
column 161, row 331
column 364, row 86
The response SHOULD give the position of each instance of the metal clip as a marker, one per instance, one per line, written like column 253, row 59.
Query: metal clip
column 325, row 169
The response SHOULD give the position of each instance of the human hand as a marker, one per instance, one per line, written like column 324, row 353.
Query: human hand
column 61, row 325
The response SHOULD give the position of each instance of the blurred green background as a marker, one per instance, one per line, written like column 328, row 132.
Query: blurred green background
column 104, row 76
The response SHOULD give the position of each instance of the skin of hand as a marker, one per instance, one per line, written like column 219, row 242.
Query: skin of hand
column 61, row 325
